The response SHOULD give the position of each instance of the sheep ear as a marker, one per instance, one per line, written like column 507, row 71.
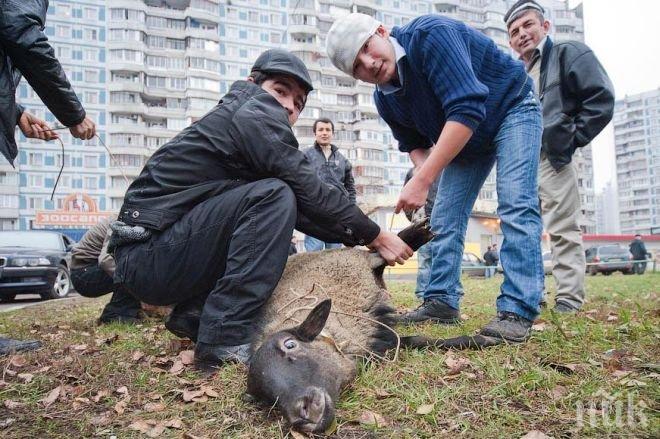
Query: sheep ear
column 315, row 321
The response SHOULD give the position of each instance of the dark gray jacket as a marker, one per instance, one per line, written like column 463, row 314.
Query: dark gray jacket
column 577, row 98
column 24, row 50
column 245, row 138
column 336, row 170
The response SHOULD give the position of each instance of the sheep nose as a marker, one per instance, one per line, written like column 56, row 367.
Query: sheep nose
column 310, row 409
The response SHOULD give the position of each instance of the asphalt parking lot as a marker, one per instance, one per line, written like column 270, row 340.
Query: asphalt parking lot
column 25, row 300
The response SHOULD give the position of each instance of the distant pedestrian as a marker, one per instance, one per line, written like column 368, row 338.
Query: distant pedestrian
column 333, row 169
column 489, row 260
column 638, row 250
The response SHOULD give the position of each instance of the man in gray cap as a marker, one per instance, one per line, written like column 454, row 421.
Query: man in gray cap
column 459, row 106
column 578, row 101
column 210, row 216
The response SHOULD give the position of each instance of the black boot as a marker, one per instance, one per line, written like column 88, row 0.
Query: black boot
column 9, row 346
column 209, row 357
column 432, row 310
column 183, row 321
column 122, row 308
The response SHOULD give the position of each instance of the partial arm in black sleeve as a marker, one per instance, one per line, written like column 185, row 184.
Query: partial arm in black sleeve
column 26, row 44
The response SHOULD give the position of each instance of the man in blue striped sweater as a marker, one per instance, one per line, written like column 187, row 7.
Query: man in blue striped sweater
column 458, row 105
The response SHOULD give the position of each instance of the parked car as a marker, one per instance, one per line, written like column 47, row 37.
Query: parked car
column 607, row 259
column 472, row 265
column 34, row 262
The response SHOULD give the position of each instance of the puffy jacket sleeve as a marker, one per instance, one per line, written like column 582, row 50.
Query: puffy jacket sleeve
column 25, row 43
column 263, row 136
column 589, row 82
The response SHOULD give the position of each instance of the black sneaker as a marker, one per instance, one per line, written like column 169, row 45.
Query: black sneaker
column 208, row 357
column 564, row 308
column 508, row 326
column 183, row 321
column 432, row 310
column 10, row 346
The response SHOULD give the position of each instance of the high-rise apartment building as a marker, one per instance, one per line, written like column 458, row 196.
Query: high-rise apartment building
column 164, row 72
column 637, row 148
column 607, row 211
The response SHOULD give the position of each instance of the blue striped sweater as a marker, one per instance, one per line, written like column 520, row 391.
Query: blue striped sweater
column 452, row 72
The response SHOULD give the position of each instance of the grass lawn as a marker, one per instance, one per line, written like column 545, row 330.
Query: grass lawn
column 136, row 381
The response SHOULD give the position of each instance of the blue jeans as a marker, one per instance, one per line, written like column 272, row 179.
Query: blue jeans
column 516, row 151
column 314, row 245
column 423, row 270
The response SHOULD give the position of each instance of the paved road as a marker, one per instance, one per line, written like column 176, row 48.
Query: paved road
column 25, row 300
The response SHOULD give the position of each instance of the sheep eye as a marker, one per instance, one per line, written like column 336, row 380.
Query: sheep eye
column 290, row 344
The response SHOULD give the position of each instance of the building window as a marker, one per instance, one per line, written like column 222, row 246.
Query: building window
column 90, row 183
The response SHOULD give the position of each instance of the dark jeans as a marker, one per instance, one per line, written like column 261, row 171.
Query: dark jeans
column 230, row 249
column 639, row 267
column 92, row 281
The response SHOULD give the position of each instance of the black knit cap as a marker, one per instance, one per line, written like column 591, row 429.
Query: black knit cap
column 520, row 7
column 285, row 62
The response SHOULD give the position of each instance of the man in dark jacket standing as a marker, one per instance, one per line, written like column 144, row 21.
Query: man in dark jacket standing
column 24, row 51
column 578, row 101
column 333, row 169
column 210, row 216
column 639, row 253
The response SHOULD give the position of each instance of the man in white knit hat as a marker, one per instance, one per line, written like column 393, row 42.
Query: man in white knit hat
column 458, row 105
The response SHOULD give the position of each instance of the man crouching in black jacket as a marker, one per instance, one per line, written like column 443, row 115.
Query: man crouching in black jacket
column 219, row 203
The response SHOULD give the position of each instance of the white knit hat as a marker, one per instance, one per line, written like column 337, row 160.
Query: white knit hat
column 346, row 37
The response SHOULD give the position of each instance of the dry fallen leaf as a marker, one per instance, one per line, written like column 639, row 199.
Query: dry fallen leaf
column 425, row 409
column 296, row 435
column 100, row 394
column 456, row 364
column 540, row 325
column 382, row 394
column 372, row 418
column 137, row 356
column 120, row 407
column 174, row 423
column 52, row 396
column 11, row 405
column 152, row 407
column 177, row 367
column 558, row 392
column 123, row 390
column 187, row 357
column 210, row 392
column 18, row 361
column 189, row 395
column 536, row 434
column 101, row 419
column 25, row 377
column 78, row 347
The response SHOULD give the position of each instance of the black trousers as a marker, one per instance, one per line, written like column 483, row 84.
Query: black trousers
column 230, row 249
column 92, row 281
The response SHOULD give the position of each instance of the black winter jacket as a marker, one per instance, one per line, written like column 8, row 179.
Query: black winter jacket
column 577, row 98
column 336, row 170
column 24, row 50
column 246, row 137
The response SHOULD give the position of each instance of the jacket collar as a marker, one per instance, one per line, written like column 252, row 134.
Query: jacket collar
column 333, row 148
